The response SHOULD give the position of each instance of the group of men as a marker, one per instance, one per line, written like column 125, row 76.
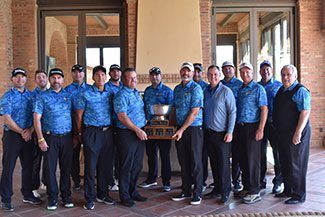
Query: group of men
column 218, row 120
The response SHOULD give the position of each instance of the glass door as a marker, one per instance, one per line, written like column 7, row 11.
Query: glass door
column 86, row 37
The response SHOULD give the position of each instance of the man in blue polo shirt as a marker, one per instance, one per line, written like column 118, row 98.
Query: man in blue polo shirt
column 198, row 73
column 129, row 107
column 251, row 119
column 230, row 80
column 41, row 83
column 53, row 126
column 157, row 93
column 271, row 87
column 115, row 84
column 77, row 86
column 94, row 109
column 292, row 105
column 188, row 103
column 16, row 109
column 219, row 122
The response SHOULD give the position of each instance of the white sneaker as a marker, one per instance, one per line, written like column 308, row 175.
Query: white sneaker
column 36, row 194
column 252, row 198
column 43, row 187
column 113, row 188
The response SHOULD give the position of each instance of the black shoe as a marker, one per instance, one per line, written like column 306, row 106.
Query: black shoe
column 67, row 203
column 211, row 195
column 32, row 200
column 76, row 186
column 196, row 200
column 181, row 197
column 128, row 203
column 283, row 194
column 52, row 205
column 89, row 205
column 107, row 200
column 276, row 189
column 7, row 207
column 237, row 188
column 294, row 201
column 139, row 198
column 240, row 194
column 224, row 198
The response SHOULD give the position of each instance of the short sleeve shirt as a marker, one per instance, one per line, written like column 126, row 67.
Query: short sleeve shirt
column 185, row 98
column 250, row 99
column 130, row 102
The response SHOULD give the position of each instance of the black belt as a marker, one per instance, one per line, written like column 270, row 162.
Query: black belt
column 101, row 128
column 246, row 124
column 55, row 134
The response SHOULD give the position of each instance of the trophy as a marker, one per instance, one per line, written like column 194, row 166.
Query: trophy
column 158, row 127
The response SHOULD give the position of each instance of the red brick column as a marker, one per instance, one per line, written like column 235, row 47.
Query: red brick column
column 131, row 19
column 205, row 15
column 312, row 59
column 24, row 13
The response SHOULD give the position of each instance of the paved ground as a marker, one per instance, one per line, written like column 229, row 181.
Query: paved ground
column 160, row 204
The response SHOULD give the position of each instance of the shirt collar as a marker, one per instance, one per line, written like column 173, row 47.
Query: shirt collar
column 112, row 84
column 158, row 87
column 212, row 90
column 82, row 85
column 188, row 84
column 250, row 84
column 271, row 81
column 292, row 86
column 15, row 90
column 95, row 88
column 129, row 90
column 53, row 91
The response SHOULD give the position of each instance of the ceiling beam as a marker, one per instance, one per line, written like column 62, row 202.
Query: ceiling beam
column 227, row 19
column 101, row 22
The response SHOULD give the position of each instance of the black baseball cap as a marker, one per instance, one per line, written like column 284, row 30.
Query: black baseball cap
column 56, row 71
column 115, row 66
column 155, row 70
column 198, row 66
column 17, row 71
column 77, row 67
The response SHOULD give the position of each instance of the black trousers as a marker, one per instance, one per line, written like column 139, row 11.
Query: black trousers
column 152, row 147
column 235, row 156
column 37, row 162
column 205, row 162
column 189, row 153
column 98, row 146
column 75, row 166
column 270, row 135
column 60, row 149
column 250, row 157
column 131, row 151
column 294, row 162
column 114, row 172
column 219, row 153
column 14, row 146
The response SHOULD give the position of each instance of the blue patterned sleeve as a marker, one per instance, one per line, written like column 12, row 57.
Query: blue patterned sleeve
column 262, row 97
column 197, row 97
column 170, row 97
column 5, row 106
column 38, row 105
column 79, row 101
column 120, row 103
column 303, row 99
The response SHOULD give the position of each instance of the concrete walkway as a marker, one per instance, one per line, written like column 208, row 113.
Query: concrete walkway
column 160, row 204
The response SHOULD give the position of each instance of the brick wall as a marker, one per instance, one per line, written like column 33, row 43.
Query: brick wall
column 5, row 44
column 312, row 63
column 131, row 30
column 24, row 31
column 205, row 10
column 5, row 50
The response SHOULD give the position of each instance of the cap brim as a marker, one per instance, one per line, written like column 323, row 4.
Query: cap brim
column 24, row 74
column 56, row 74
